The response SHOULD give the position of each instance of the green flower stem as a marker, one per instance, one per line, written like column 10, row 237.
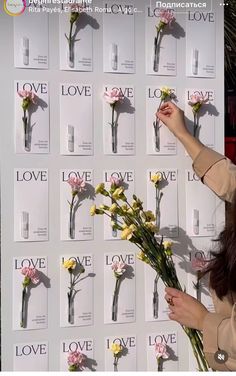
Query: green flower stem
column 71, row 229
column 113, row 129
column 115, row 299
column 155, row 60
column 26, row 130
column 70, row 41
column 23, row 308
column 195, row 124
column 156, row 126
column 71, row 294
column 159, row 364
column 115, row 364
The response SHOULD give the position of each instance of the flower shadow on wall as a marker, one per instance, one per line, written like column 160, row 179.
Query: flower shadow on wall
column 28, row 286
column 79, row 19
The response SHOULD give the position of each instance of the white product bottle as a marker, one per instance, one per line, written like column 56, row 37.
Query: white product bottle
column 196, row 222
column 71, row 138
column 114, row 56
column 195, row 57
column 25, row 225
column 25, row 50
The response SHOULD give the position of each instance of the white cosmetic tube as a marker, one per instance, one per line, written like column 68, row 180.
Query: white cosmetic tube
column 71, row 138
column 195, row 221
column 25, row 50
column 114, row 56
column 195, row 55
column 25, row 225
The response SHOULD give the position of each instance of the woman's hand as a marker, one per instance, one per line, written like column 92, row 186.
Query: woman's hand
column 173, row 117
column 185, row 309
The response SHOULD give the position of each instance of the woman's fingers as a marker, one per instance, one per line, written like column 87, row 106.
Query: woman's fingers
column 173, row 292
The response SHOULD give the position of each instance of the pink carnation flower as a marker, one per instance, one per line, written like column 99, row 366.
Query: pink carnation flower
column 30, row 273
column 160, row 351
column 115, row 181
column 118, row 268
column 28, row 95
column 197, row 98
column 77, row 184
column 75, row 358
column 166, row 16
column 199, row 264
column 113, row 96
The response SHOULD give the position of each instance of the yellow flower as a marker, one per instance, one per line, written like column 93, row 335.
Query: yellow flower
column 124, row 207
column 167, row 244
column 124, row 226
column 156, row 178
column 130, row 211
column 118, row 193
column 166, row 92
column 127, row 233
column 113, row 208
column 100, row 188
column 151, row 226
column 116, row 349
column 149, row 216
column 69, row 264
column 93, row 210
column 141, row 256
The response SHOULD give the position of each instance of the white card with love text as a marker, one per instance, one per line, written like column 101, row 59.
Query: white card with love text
column 199, row 288
column 156, row 307
column 30, row 46
column 206, row 116
column 30, row 204
column 161, row 57
column 119, row 123
column 200, row 57
column 118, row 42
column 32, row 124
column 84, row 346
column 76, row 221
column 126, row 358
column 76, row 40
column 76, row 291
column 76, row 119
column 30, row 305
column 30, row 357
column 119, row 307
column 163, row 200
column 170, row 339
column 200, row 207
column 160, row 141
column 126, row 180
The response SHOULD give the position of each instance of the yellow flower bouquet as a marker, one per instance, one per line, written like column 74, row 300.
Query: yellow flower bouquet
column 139, row 227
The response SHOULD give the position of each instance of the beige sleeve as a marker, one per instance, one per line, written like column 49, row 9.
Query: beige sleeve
column 219, row 333
column 217, row 172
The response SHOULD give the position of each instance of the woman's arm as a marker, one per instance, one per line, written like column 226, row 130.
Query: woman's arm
column 215, row 170
column 219, row 331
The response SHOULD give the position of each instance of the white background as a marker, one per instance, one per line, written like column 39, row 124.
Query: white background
column 140, row 163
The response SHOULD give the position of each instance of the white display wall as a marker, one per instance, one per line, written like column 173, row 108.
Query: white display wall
column 114, row 52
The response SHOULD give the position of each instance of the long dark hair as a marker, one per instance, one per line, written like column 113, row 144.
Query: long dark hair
column 222, row 267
